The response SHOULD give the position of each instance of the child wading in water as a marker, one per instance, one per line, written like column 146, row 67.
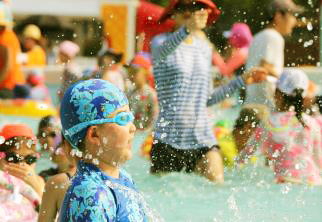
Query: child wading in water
column 97, row 123
column 289, row 138
column 142, row 98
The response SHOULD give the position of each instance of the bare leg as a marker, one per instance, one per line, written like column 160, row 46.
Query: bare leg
column 211, row 166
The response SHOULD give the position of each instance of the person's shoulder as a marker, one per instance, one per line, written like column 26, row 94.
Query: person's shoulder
column 126, row 175
column 57, row 180
column 268, row 34
column 159, row 39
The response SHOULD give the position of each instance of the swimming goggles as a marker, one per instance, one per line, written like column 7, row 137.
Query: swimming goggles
column 122, row 119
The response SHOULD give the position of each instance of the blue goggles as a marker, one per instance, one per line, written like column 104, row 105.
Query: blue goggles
column 122, row 119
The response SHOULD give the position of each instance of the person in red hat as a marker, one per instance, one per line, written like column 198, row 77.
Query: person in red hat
column 183, row 139
column 21, row 187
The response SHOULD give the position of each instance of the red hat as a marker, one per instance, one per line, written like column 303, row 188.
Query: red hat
column 215, row 12
column 12, row 130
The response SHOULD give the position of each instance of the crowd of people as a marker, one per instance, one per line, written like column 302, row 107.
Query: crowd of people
column 168, row 94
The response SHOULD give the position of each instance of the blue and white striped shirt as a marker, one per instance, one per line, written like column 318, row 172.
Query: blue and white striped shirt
column 183, row 82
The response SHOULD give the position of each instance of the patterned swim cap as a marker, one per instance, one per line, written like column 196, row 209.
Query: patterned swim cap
column 88, row 103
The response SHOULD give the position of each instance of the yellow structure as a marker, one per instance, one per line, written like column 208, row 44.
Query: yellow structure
column 27, row 108
column 119, row 19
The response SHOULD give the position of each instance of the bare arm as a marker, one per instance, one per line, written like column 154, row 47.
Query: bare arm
column 54, row 192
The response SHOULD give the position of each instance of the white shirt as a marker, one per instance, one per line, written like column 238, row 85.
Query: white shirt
column 269, row 46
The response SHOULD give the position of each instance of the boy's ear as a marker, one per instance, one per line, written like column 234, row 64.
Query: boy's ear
column 92, row 135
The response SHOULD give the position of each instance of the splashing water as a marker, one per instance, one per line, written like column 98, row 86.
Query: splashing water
column 136, row 196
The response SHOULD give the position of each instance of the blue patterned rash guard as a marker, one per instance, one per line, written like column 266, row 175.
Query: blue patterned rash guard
column 95, row 196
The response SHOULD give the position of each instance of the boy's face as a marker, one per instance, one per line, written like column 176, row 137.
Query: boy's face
column 115, row 140
column 139, row 78
column 286, row 22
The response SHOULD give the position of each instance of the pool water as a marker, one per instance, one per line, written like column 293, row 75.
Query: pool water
column 247, row 195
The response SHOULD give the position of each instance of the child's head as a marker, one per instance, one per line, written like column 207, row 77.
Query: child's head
column 246, row 123
column 21, row 91
column 97, row 121
column 32, row 36
column 49, row 131
column 138, row 75
column 292, row 87
column 67, row 51
column 140, row 69
column 108, row 58
column 18, row 144
column 282, row 15
column 35, row 77
column 240, row 35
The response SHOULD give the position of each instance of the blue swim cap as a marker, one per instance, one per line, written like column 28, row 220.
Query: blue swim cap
column 88, row 103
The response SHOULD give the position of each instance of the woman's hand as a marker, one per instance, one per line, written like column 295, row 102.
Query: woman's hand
column 26, row 173
column 255, row 75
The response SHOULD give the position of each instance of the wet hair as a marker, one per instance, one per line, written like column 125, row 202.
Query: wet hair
column 318, row 101
column 247, row 115
column 47, row 121
column 297, row 102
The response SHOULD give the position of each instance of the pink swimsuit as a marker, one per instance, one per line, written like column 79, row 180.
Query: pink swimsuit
column 295, row 152
column 17, row 200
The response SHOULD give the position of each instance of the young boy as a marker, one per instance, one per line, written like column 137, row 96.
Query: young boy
column 98, row 124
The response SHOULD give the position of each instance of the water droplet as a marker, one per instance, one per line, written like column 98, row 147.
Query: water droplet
column 309, row 26
column 96, row 161
column 2, row 140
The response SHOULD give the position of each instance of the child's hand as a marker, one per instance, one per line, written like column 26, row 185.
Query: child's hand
column 255, row 75
column 26, row 173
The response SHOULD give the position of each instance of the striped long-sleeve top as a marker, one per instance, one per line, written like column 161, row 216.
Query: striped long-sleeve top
column 184, row 86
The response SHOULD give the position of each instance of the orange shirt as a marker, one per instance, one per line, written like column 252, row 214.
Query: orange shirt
column 14, row 76
column 36, row 57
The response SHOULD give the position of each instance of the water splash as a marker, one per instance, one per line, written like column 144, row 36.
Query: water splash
column 135, row 195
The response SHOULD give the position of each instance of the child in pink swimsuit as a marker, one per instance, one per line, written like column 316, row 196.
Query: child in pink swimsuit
column 20, row 187
column 290, row 139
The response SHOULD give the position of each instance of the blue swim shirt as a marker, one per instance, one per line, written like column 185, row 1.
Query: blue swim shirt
column 95, row 196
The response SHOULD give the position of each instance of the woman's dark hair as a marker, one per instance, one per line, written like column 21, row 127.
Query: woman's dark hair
column 45, row 122
column 297, row 102
column 318, row 101
column 247, row 115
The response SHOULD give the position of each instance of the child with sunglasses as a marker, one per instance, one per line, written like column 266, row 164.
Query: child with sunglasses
column 98, row 124
column 20, row 187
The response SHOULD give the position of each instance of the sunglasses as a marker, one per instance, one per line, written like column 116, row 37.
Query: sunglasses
column 13, row 157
